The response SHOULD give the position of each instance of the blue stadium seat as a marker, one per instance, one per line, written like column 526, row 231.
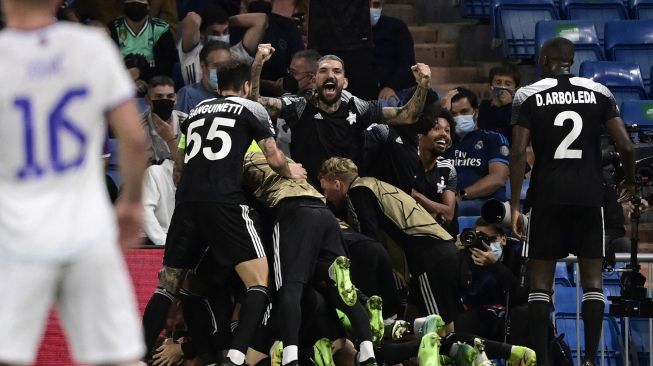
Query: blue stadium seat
column 562, row 276
column 512, row 21
column 564, row 299
column 631, row 41
column 639, row 333
column 581, row 32
column 623, row 79
column 597, row 11
column 638, row 112
column 566, row 323
column 478, row 9
column 642, row 9
column 466, row 222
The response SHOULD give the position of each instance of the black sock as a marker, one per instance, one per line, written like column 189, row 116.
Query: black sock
column 592, row 308
column 253, row 306
column 290, row 312
column 493, row 349
column 155, row 315
column 539, row 308
column 202, row 325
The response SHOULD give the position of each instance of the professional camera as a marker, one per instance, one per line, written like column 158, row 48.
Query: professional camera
column 471, row 238
column 633, row 300
column 496, row 212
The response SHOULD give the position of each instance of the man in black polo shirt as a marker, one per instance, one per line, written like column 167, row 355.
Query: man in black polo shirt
column 332, row 121
column 563, row 116
column 210, row 204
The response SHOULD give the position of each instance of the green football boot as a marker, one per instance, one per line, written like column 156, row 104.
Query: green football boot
column 522, row 356
column 429, row 350
column 322, row 355
column 339, row 273
column 374, row 308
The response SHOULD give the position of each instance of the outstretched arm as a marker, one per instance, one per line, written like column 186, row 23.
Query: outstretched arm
column 408, row 113
column 190, row 32
column 255, row 25
column 272, row 105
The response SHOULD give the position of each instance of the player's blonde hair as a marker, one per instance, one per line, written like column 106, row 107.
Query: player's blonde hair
column 338, row 168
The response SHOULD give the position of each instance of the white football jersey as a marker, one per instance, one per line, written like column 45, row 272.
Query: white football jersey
column 58, row 82
column 191, row 68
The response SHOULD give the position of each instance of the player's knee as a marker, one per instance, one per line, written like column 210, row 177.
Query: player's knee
column 170, row 279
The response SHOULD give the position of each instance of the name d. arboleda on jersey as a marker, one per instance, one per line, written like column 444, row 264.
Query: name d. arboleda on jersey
column 567, row 97
column 214, row 108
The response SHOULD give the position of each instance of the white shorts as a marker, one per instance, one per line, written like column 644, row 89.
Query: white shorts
column 94, row 298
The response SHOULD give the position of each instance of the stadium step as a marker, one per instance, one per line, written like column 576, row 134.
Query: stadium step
column 457, row 74
column 424, row 33
column 437, row 54
column 405, row 12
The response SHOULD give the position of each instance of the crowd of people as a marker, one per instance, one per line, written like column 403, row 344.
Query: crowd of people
column 305, row 181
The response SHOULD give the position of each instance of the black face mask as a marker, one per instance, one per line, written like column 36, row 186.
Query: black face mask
column 135, row 11
column 259, row 6
column 290, row 84
column 163, row 108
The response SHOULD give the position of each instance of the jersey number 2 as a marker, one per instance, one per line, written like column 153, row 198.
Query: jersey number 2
column 212, row 134
column 563, row 151
column 58, row 125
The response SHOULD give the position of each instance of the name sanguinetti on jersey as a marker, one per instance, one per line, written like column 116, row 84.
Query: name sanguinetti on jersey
column 214, row 108
column 570, row 97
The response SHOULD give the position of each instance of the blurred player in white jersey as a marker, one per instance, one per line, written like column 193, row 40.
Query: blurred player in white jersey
column 58, row 231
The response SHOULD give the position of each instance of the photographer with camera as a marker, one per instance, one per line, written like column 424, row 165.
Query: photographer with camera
column 492, row 269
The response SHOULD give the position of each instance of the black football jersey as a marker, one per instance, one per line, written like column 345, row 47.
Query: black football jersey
column 566, row 116
column 218, row 133
column 317, row 135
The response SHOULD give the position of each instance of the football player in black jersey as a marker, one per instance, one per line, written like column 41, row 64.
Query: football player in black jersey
column 563, row 117
column 331, row 122
column 210, row 205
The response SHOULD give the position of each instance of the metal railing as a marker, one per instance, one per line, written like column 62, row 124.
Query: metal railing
column 621, row 258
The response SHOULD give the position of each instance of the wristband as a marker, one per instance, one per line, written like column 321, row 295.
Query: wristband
column 463, row 194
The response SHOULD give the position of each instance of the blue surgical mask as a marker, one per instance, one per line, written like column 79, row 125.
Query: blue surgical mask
column 224, row 38
column 497, row 249
column 464, row 124
column 375, row 14
column 213, row 79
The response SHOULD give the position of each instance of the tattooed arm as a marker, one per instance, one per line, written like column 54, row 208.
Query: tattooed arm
column 278, row 161
column 272, row 105
column 408, row 113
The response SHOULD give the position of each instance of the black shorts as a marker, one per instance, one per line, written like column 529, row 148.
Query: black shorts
column 230, row 230
column 557, row 230
column 305, row 230
column 435, row 277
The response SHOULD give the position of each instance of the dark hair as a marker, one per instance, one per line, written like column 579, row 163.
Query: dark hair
column 506, row 69
column 558, row 48
column 213, row 15
column 161, row 80
column 429, row 113
column 232, row 75
column 212, row 46
column 481, row 222
column 310, row 55
column 331, row 58
column 465, row 93
column 447, row 115
column 138, row 61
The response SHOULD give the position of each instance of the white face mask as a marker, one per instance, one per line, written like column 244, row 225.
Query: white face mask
column 224, row 38
column 375, row 14
column 497, row 249
column 464, row 124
